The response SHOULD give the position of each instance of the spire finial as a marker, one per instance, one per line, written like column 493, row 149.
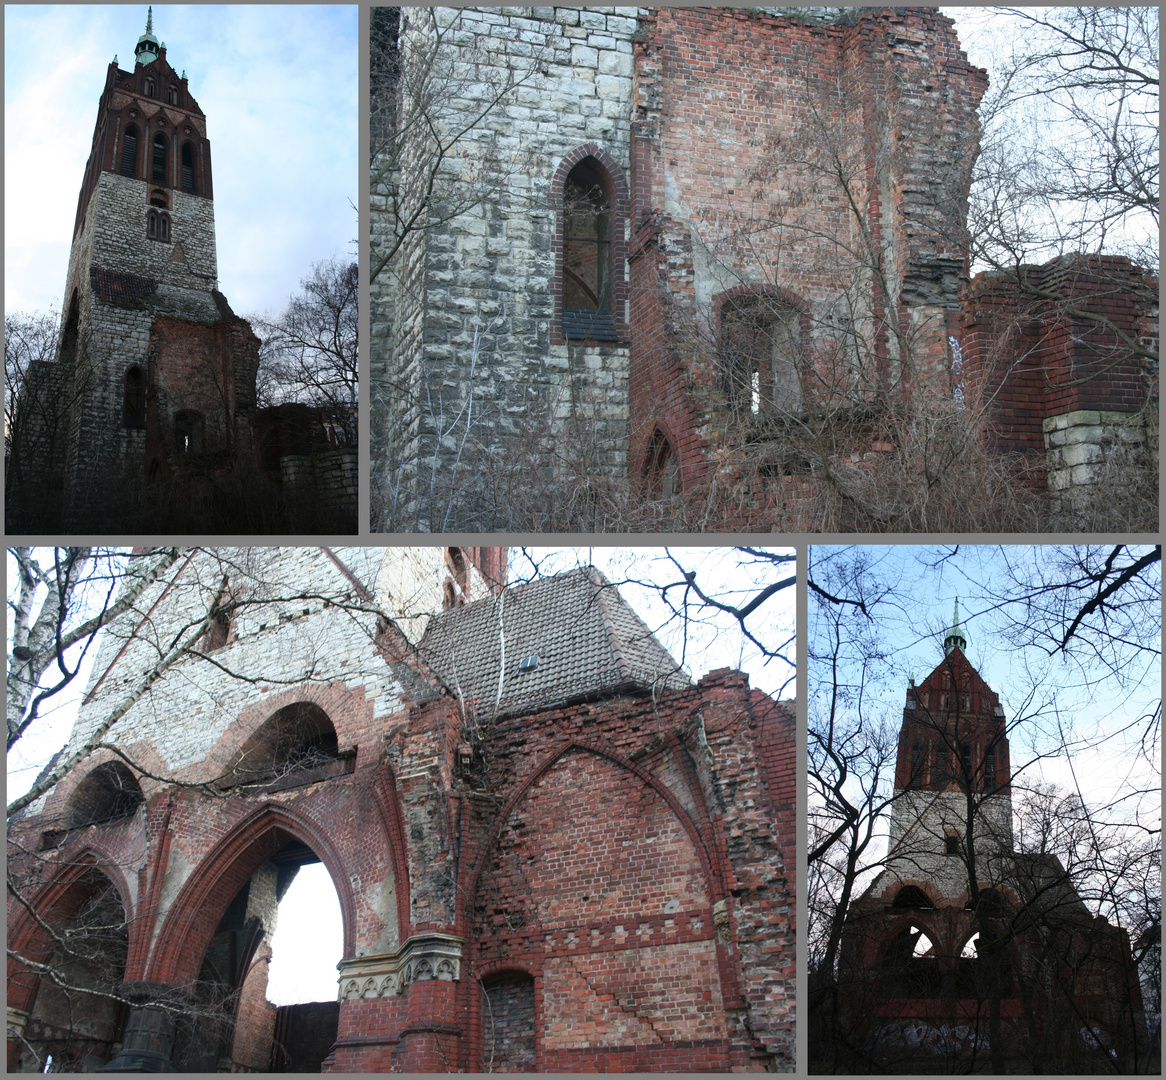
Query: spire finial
column 146, row 51
column 150, row 19
column 955, row 636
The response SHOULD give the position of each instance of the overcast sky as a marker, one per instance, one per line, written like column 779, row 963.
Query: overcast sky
column 278, row 86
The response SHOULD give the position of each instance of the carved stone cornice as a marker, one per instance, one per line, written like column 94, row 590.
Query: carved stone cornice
column 421, row 957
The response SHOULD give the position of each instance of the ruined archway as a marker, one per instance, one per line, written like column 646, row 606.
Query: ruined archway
column 596, row 862
column 215, row 941
column 69, row 1012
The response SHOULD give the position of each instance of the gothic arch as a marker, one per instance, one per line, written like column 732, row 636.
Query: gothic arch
column 195, row 913
column 610, row 178
column 662, row 472
column 700, row 843
column 28, row 937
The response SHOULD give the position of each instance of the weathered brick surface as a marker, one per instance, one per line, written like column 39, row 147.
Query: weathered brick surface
column 614, row 877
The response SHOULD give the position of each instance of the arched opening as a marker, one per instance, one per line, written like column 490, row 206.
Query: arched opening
column 164, row 228
column 299, row 739
column 188, row 168
column 758, row 346
column 133, row 410
column 149, row 87
column 508, row 1031
column 910, row 966
column 662, row 470
column 158, row 171
column 158, row 197
column 129, row 151
column 75, row 1017
column 109, row 793
column 265, row 999
column 152, row 225
column 172, row 95
column 911, row 897
column 588, row 277
column 188, row 432
column 216, row 936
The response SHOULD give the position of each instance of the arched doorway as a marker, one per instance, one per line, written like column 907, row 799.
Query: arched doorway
column 74, row 1015
column 216, row 944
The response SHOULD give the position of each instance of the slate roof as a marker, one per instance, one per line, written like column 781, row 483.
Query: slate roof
column 588, row 642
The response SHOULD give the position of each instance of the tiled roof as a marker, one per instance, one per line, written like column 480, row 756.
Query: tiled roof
column 120, row 289
column 587, row 640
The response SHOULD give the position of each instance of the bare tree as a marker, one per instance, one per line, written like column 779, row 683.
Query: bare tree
column 310, row 351
column 1035, row 878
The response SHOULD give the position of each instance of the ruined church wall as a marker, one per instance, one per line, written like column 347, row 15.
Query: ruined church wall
column 491, row 270
column 734, row 193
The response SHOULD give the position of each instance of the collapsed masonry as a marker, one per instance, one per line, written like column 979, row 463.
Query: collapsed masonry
column 692, row 233
column 552, row 850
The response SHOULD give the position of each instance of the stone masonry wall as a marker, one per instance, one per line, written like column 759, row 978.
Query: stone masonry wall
column 488, row 272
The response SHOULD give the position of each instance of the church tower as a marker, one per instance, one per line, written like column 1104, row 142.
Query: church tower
column 153, row 368
column 952, row 767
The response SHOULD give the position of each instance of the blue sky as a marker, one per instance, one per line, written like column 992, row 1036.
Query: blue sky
column 278, row 86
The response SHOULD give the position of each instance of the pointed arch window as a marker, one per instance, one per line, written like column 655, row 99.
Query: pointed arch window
column 590, row 195
column 149, row 88
column 129, row 152
column 662, row 471
column 188, row 168
column 158, row 172
column 188, row 429
column 172, row 95
column 133, row 412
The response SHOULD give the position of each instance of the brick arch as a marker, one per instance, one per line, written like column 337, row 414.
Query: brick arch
column 337, row 702
column 712, row 873
column 909, row 918
column 616, row 189
column 648, row 465
column 29, row 938
column 491, row 969
column 191, row 921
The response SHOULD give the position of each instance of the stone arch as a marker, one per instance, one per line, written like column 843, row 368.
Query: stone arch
column 108, row 792
column 609, row 177
column 298, row 736
column 195, row 913
column 911, row 896
column 908, row 966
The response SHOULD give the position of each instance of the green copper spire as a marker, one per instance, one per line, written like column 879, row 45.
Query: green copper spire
column 146, row 50
column 955, row 636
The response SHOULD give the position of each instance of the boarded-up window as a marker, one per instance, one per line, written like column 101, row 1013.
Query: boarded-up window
column 158, row 175
column 508, row 1023
column 129, row 152
column 187, row 168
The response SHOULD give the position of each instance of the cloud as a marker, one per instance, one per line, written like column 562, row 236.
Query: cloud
column 278, row 86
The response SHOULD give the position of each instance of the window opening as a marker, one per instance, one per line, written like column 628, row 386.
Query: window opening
column 164, row 228
column 941, row 765
column 916, row 778
column 951, row 844
column 133, row 413
column 587, row 284
column 172, row 95
column 758, row 350
column 966, row 761
column 663, row 472
column 188, row 432
column 149, row 88
column 110, row 792
column 187, row 168
column 152, row 225
column 129, row 152
column 990, row 771
column 158, row 174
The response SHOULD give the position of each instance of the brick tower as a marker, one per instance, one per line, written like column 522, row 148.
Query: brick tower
column 154, row 374
column 952, row 744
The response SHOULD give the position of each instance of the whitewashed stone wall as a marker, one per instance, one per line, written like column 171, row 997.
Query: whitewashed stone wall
column 277, row 642
column 920, row 821
column 488, row 272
